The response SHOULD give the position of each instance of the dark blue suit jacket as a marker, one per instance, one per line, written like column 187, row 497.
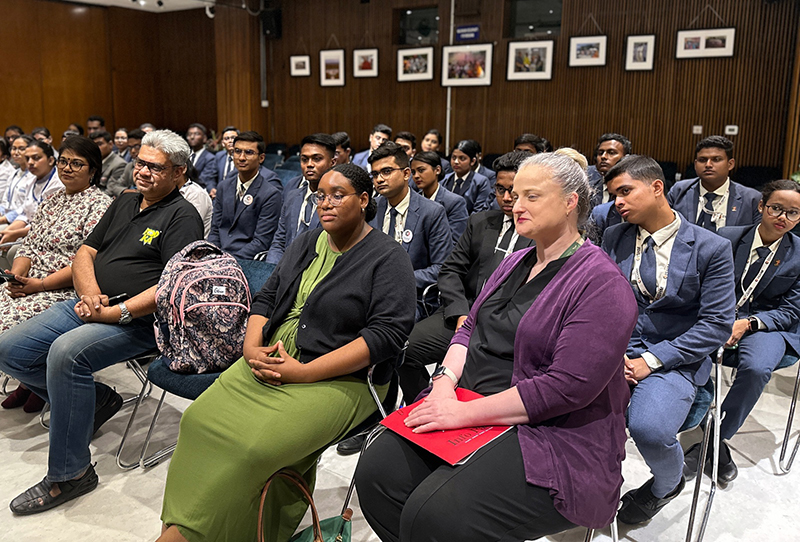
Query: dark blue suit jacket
column 245, row 230
column 696, row 314
column 287, row 226
column 742, row 202
column 776, row 299
column 431, row 240
column 456, row 209
column 478, row 193
column 272, row 178
column 360, row 159
column 206, row 167
column 219, row 160
column 488, row 173
column 604, row 216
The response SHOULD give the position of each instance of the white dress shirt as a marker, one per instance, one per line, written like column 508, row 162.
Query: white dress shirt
column 400, row 219
column 720, row 203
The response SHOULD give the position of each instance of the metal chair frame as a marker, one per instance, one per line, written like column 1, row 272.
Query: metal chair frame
column 614, row 531
column 784, row 465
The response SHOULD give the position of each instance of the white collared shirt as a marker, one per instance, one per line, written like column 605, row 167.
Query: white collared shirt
column 758, row 242
column 399, row 221
column 305, row 204
column 720, row 203
column 197, row 155
column 508, row 222
column 243, row 187
column 664, row 240
column 435, row 192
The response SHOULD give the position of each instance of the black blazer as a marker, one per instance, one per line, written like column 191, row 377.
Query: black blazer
column 472, row 262
column 369, row 293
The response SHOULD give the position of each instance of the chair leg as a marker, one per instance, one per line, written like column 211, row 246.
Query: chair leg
column 139, row 398
column 42, row 422
column 6, row 379
column 614, row 530
column 589, row 535
column 786, row 466
column 149, row 461
column 135, row 365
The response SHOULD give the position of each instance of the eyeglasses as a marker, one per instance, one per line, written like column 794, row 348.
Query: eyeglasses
column 385, row 172
column 777, row 211
column 501, row 190
column 135, row 147
column 74, row 165
column 247, row 152
column 155, row 169
column 334, row 199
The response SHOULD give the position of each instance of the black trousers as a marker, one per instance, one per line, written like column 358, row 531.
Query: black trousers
column 410, row 495
column 427, row 344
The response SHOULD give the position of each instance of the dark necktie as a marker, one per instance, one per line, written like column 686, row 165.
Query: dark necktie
column 228, row 164
column 192, row 157
column 458, row 187
column 392, row 218
column 762, row 252
column 707, row 212
column 307, row 213
column 647, row 266
column 504, row 247
column 240, row 191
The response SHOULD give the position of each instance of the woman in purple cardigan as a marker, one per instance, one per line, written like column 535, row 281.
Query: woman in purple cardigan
column 544, row 343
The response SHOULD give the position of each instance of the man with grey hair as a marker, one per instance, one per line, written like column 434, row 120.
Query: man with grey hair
column 115, row 274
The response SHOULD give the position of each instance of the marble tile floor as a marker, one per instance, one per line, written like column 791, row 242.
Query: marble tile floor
column 758, row 506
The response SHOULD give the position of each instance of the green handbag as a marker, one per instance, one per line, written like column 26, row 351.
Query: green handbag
column 335, row 529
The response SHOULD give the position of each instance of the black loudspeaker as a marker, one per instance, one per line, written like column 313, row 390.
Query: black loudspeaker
column 271, row 23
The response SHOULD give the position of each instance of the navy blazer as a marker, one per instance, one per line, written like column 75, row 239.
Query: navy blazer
column 219, row 159
column 456, row 209
column 488, row 173
column 272, row 178
column 206, row 167
column 696, row 314
column 604, row 216
column 431, row 240
column 478, row 193
column 245, row 230
column 596, row 181
column 287, row 226
column 446, row 167
column 360, row 159
column 776, row 299
column 743, row 202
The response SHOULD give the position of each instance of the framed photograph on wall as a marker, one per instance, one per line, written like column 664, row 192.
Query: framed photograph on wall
column 365, row 63
column 467, row 65
column 705, row 43
column 331, row 68
column 639, row 52
column 300, row 65
column 530, row 60
column 587, row 51
column 415, row 64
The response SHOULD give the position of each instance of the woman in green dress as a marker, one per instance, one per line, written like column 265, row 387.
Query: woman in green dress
column 340, row 300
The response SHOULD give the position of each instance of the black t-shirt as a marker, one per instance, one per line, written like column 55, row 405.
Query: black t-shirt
column 490, row 356
column 133, row 246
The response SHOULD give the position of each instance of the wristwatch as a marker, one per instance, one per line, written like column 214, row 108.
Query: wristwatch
column 753, row 321
column 125, row 316
column 444, row 371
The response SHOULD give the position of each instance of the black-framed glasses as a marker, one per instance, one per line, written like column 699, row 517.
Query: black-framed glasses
column 334, row 199
column 74, row 165
column 155, row 169
column 776, row 211
column 385, row 172
column 247, row 152
column 501, row 190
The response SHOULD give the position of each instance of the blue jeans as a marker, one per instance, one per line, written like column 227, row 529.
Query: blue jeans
column 55, row 354
column 659, row 406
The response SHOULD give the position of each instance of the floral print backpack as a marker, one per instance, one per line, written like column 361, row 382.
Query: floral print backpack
column 202, row 305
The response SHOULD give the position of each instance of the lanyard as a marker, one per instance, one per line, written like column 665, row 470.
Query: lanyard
column 661, row 280
column 716, row 216
column 746, row 295
column 41, row 192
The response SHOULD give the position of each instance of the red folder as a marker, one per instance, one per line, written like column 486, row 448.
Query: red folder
column 453, row 445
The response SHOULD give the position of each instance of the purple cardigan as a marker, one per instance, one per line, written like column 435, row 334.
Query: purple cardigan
column 568, row 369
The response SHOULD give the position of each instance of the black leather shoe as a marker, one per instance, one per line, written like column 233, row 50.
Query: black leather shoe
column 727, row 471
column 690, row 460
column 107, row 403
column 352, row 445
column 38, row 499
column 640, row 505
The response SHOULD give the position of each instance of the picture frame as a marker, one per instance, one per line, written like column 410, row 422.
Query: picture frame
column 365, row 63
column 530, row 60
column 467, row 65
column 639, row 52
column 587, row 51
column 300, row 65
column 331, row 68
column 415, row 64
column 705, row 43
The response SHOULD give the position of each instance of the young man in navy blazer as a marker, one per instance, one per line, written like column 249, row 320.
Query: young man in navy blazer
column 682, row 277
column 224, row 160
column 414, row 221
column 767, row 272
column 201, row 158
column 247, row 208
column 610, row 149
column 379, row 134
column 299, row 211
column 712, row 200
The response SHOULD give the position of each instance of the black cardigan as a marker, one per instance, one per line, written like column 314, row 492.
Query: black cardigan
column 369, row 293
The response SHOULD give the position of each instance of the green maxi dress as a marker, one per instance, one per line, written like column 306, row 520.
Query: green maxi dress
column 241, row 430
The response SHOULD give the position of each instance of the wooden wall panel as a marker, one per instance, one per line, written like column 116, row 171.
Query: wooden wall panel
column 655, row 109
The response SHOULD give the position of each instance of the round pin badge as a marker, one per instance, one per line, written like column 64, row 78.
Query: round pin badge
column 407, row 236
column 248, row 199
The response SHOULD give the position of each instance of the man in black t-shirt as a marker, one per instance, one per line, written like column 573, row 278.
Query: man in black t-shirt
column 55, row 353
